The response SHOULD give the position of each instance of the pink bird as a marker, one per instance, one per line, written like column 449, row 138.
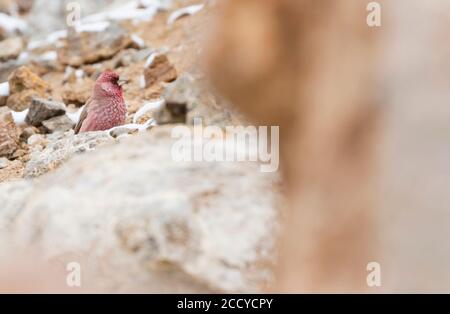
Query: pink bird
column 106, row 107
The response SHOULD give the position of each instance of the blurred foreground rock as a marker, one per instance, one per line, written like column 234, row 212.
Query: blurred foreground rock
column 49, row 153
column 138, row 221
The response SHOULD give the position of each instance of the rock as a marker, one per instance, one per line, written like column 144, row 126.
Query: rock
column 9, row 134
column 120, row 208
column 160, row 70
column 19, row 153
column 77, row 92
column 46, row 16
column 43, row 109
column 27, row 133
column 24, row 85
column 59, row 149
column 58, row 124
column 90, row 47
column 37, row 142
column 128, row 129
column 121, row 131
column 10, row 48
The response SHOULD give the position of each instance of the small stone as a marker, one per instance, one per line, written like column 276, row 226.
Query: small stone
column 161, row 70
column 77, row 92
column 24, row 85
column 19, row 153
column 42, row 109
column 10, row 48
column 58, row 124
column 28, row 132
column 120, row 131
column 9, row 134
column 37, row 140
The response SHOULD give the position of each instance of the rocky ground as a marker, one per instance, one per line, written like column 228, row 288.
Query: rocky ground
column 137, row 219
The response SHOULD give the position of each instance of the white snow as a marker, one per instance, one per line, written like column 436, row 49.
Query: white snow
column 94, row 27
column 190, row 10
column 75, row 116
column 49, row 56
column 4, row 89
column 150, row 59
column 24, row 55
column 142, row 81
column 79, row 73
column 148, row 106
column 19, row 116
column 12, row 24
column 50, row 39
column 129, row 11
column 138, row 40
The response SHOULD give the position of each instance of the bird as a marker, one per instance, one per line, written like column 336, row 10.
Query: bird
column 106, row 107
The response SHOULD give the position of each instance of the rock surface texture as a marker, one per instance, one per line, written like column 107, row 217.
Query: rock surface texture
column 200, row 226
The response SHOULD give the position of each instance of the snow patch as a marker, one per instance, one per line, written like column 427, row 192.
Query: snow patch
column 138, row 40
column 12, row 24
column 19, row 116
column 142, row 81
column 49, row 56
column 4, row 89
column 190, row 10
column 75, row 116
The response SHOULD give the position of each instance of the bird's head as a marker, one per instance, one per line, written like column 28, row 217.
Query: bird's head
column 110, row 82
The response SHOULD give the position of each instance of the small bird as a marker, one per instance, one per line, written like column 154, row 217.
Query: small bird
column 106, row 107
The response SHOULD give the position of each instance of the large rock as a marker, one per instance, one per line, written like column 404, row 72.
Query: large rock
column 10, row 48
column 9, row 134
column 43, row 109
column 24, row 85
column 90, row 47
column 137, row 220
column 59, row 148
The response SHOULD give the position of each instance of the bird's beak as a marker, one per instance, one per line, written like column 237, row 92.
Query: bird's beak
column 122, row 81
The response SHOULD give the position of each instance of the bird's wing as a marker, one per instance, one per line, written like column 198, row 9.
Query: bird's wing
column 83, row 116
